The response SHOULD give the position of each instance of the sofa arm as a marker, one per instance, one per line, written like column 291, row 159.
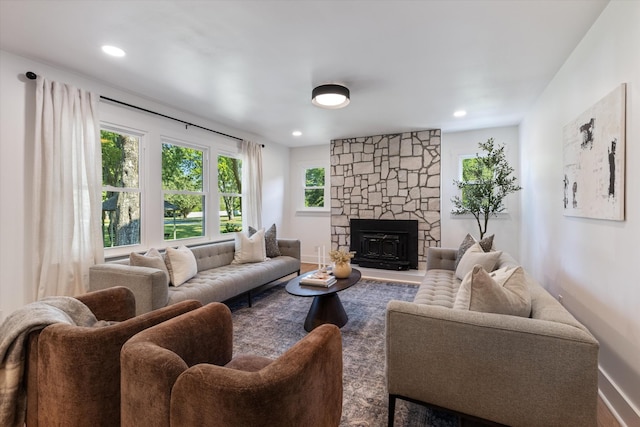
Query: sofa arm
column 510, row 370
column 149, row 285
column 441, row 258
column 289, row 247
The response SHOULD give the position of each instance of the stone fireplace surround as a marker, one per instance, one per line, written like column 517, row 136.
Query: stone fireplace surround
column 395, row 176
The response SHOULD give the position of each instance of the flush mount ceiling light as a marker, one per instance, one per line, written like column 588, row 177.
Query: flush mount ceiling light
column 330, row 96
column 460, row 113
column 113, row 51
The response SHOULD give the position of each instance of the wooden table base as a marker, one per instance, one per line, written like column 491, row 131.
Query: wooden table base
column 326, row 309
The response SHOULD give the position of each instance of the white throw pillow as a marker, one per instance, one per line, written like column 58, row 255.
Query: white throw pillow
column 152, row 259
column 504, row 291
column 250, row 249
column 181, row 264
column 475, row 255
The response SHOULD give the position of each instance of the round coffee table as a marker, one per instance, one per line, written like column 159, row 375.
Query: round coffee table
column 326, row 306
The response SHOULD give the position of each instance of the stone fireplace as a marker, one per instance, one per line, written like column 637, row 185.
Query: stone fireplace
column 387, row 177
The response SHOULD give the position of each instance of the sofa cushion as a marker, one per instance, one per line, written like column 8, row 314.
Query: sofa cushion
column 504, row 291
column 439, row 287
column 152, row 259
column 270, row 241
column 486, row 244
column 250, row 248
column 476, row 255
column 181, row 264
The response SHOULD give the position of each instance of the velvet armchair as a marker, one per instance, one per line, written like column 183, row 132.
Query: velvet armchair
column 181, row 373
column 73, row 373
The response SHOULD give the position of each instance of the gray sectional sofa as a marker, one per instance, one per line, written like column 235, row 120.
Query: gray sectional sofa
column 517, row 371
column 217, row 278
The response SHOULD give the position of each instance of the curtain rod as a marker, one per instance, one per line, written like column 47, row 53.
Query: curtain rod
column 32, row 76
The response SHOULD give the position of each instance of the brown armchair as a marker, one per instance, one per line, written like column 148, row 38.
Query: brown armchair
column 181, row 373
column 73, row 373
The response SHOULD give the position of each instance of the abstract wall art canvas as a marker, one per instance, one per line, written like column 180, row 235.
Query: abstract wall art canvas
column 593, row 160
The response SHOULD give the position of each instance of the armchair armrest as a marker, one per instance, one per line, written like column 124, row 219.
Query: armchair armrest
column 289, row 247
column 507, row 369
column 116, row 304
column 148, row 285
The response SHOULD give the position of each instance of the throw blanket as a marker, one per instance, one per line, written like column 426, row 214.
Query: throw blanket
column 13, row 339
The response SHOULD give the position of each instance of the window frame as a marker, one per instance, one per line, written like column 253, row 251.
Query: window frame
column 461, row 159
column 220, row 194
column 203, row 193
column 140, row 190
column 302, row 187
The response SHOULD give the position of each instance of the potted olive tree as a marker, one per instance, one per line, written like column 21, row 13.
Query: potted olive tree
column 486, row 181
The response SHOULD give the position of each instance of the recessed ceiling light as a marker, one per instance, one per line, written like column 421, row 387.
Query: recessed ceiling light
column 296, row 133
column 460, row 113
column 113, row 51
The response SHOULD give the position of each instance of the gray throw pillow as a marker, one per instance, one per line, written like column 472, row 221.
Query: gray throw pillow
column 270, row 241
column 152, row 259
column 475, row 255
column 486, row 244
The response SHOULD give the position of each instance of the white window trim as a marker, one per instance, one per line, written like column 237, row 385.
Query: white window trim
column 142, row 180
column 219, row 235
column 300, row 188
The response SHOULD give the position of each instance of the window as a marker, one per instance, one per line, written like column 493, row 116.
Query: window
column 470, row 170
column 230, row 194
column 314, row 187
column 183, row 190
column 120, row 188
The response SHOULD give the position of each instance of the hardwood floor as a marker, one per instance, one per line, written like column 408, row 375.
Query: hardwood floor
column 605, row 417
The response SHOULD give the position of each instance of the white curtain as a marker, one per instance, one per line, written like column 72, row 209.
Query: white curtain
column 251, row 184
column 67, row 187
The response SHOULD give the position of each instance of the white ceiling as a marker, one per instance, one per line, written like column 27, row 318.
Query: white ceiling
column 252, row 65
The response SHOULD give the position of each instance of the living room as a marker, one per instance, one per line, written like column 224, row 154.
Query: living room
column 589, row 262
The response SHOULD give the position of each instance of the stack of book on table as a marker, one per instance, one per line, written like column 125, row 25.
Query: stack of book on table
column 315, row 279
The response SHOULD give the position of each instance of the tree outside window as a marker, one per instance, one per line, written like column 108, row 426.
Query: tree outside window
column 314, row 187
column 183, row 191
column 230, row 192
column 120, row 188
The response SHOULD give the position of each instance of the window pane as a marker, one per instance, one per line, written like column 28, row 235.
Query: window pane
column 314, row 198
column 120, row 155
column 314, row 177
column 181, row 168
column 230, row 214
column 229, row 175
column 471, row 170
column 120, row 218
column 183, row 216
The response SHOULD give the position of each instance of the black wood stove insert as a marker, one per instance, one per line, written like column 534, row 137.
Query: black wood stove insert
column 385, row 244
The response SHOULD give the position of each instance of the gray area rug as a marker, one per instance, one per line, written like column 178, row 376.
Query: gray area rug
column 274, row 324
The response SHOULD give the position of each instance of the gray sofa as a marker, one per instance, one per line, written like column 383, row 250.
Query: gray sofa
column 537, row 371
column 217, row 279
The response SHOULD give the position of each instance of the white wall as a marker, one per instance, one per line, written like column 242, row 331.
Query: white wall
column 592, row 263
column 17, row 105
column 312, row 228
column 455, row 227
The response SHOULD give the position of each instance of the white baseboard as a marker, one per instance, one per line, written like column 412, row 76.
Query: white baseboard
column 624, row 411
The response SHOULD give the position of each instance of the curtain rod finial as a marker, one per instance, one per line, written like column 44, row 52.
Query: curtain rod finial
column 31, row 75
